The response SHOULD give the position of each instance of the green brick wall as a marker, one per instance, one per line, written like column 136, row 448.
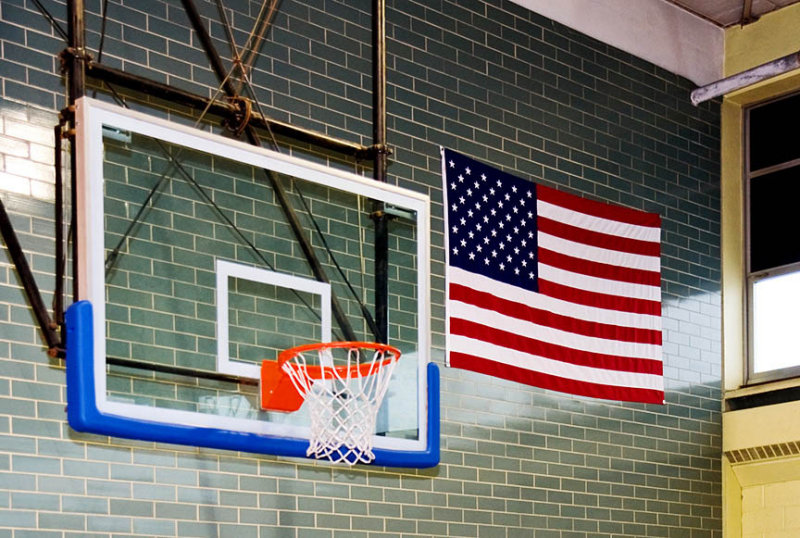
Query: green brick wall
column 490, row 80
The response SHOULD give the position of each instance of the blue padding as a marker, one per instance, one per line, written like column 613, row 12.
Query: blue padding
column 430, row 456
column 84, row 416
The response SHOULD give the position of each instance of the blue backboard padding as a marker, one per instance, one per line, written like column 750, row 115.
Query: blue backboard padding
column 84, row 416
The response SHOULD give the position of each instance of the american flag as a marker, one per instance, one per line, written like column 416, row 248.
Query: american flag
column 550, row 289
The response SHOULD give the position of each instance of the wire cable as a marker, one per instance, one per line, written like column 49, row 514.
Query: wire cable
column 245, row 78
column 175, row 164
column 255, row 45
column 103, row 18
column 54, row 23
column 364, row 311
column 237, row 59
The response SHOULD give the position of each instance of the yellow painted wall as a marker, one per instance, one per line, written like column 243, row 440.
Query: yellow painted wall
column 760, row 498
column 731, row 502
column 771, row 510
column 774, row 35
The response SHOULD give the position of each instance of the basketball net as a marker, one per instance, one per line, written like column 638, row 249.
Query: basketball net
column 343, row 398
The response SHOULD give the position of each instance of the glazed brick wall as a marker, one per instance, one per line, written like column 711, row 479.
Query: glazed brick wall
column 490, row 80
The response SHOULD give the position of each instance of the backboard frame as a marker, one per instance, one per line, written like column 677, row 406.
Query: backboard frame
column 90, row 410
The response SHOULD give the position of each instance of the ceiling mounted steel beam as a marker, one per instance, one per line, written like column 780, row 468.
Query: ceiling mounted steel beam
column 280, row 193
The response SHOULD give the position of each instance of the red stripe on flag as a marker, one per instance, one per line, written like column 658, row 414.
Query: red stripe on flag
column 599, row 270
column 599, row 300
column 591, row 298
column 598, row 239
column 544, row 318
column 531, row 346
column 597, row 209
column 547, row 381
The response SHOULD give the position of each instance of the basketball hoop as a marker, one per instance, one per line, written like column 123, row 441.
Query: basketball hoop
column 344, row 387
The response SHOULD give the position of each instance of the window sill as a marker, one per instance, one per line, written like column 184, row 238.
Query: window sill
column 763, row 394
column 761, row 388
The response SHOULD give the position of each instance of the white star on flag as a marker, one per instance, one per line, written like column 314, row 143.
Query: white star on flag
column 584, row 314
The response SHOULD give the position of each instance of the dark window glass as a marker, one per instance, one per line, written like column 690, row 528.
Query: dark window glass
column 769, row 143
column 774, row 219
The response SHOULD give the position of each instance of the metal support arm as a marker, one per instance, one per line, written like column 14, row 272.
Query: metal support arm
column 29, row 283
column 280, row 192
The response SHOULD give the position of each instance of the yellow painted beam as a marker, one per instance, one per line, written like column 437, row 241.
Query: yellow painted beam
column 760, row 426
column 733, row 270
column 774, row 35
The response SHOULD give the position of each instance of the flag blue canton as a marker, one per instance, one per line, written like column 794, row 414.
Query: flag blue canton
column 492, row 222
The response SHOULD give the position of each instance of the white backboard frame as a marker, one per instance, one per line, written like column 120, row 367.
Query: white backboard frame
column 91, row 116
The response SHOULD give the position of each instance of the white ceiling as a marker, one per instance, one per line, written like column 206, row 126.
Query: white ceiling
column 656, row 30
column 685, row 37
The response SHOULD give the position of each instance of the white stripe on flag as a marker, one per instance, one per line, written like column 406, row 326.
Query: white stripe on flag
column 597, row 254
column 551, row 304
column 598, row 224
column 550, row 335
column 470, row 346
column 599, row 285
column 583, row 339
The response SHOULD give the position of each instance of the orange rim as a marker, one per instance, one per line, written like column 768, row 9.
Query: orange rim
column 358, row 370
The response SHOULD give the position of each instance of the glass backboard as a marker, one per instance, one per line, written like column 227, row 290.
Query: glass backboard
column 190, row 275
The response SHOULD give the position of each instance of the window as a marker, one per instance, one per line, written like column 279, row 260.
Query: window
column 773, row 204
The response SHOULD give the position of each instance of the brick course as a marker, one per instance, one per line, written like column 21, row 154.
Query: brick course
column 487, row 79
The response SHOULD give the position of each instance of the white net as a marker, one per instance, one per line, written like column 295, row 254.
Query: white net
column 343, row 396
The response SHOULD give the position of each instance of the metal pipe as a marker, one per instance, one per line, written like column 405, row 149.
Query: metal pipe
column 280, row 192
column 379, row 87
column 147, row 86
column 223, row 108
column 379, row 216
column 211, row 51
column 76, row 73
column 178, row 370
column 76, row 33
column 747, row 12
column 58, row 293
column 746, row 78
column 28, row 282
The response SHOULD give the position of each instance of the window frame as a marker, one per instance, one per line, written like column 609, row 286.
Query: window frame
column 752, row 377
